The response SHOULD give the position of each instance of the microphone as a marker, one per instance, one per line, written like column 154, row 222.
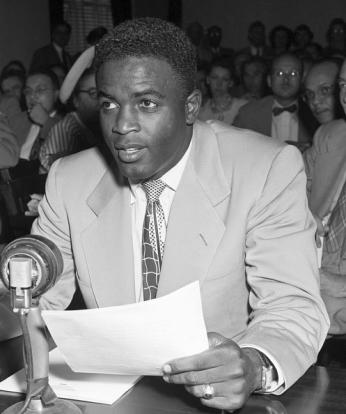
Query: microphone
column 29, row 267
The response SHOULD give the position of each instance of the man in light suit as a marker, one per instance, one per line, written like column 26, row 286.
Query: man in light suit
column 281, row 115
column 236, row 219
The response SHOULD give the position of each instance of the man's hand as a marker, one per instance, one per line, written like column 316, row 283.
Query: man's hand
column 38, row 114
column 234, row 373
column 33, row 205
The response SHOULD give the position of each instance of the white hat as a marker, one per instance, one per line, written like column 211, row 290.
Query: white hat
column 83, row 62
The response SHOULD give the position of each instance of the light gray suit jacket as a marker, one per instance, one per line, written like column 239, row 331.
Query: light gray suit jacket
column 239, row 224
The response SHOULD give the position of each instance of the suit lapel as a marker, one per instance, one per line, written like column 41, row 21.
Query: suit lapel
column 194, row 229
column 107, row 243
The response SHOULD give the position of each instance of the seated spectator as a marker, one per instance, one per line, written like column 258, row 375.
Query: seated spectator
column 54, row 53
column 12, row 84
column 325, row 166
column 336, row 38
column 280, row 39
column 214, row 39
column 77, row 130
column 221, row 105
column 257, row 41
column 32, row 127
column 195, row 33
column 254, row 78
column 314, row 51
column 302, row 37
column 320, row 91
column 281, row 115
column 239, row 59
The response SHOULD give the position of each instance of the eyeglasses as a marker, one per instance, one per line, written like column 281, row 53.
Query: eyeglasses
column 36, row 92
column 91, row 92
column 321, row 93
column 282, row 74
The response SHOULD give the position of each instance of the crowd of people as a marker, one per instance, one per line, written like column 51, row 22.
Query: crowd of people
column 237, row 200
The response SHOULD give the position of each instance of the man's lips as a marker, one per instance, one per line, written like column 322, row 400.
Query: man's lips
column 129, row 153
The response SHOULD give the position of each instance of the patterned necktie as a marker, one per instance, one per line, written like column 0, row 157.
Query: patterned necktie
column 334, row 239
column 277, row 110
column 152, row 242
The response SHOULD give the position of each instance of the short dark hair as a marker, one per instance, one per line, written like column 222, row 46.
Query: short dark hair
column 151, row 37
column 256, row 23
column 95, row 35
column 222, row 62
column 290, row 55
column 304, row 28
column 12, row 74
column 47, row 72
column 281, row 28
column 64, row 23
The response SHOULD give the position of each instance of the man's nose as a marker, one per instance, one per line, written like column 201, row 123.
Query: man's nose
column 125, row 121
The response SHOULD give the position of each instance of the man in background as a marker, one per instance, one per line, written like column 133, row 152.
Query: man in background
column 55, row 52
column 320, row 87
column 282, row 115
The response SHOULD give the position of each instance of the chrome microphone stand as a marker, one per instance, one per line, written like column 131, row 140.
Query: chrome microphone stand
column 29, row 267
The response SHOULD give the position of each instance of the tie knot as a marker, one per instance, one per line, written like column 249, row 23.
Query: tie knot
column 153, row 189
column 277, row 110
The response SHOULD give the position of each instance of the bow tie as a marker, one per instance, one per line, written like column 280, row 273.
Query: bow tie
column 277, row 110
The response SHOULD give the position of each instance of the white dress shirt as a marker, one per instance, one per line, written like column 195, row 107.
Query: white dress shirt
column 138, row 204
column 285, row 125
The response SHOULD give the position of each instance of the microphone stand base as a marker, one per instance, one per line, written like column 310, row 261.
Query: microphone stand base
column 36, row 407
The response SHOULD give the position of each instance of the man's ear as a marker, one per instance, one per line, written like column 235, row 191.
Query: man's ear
column 192, row 106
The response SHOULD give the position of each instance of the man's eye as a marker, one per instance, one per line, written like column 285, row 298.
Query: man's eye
column 342, row 85
column 148, row 104
column 107, row 105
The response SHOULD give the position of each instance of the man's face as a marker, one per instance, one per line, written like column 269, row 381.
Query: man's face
column 214, row 37
column 61, row 35
column 257, row 36
column 86, row 101
column 301, row 38
column 285, row 79
column 39, row 89
column 142, row 115
column 319, row 91
column 342, row 86
column 219, row 81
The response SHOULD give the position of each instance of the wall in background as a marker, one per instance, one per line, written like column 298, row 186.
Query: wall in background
column 234, row 16
column 24, row 26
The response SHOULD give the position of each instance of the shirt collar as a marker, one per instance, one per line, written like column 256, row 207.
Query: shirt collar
column 58, row 48
column 171, row 178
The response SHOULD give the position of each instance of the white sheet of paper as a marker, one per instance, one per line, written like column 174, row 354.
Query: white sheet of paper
column 103, row 389
column 135, row 339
